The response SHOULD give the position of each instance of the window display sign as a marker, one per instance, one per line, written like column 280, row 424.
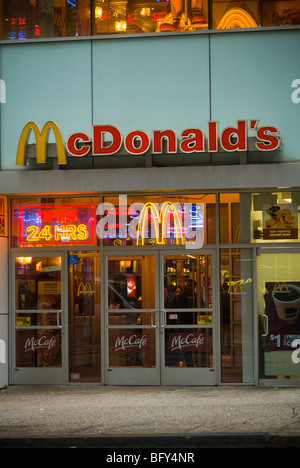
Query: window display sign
column 280, row 221
column 282, row 314
column 187, row 341
column 56, row 225
column 134, row 342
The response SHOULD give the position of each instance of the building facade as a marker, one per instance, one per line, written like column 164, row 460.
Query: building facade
column 149, row 193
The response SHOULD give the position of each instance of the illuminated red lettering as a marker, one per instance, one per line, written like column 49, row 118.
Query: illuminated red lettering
column 171, row 138
column 235, row 139
column 99, row 147
column 212, row 137
column 270, row 142
column 74, row 149
column 194, row 141
column 144, row 142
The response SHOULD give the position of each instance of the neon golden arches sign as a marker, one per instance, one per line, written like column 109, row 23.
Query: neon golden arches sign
column 160, row 219
column 143, row 219
column 133, row 222
column 177, row 223
column 237, row 18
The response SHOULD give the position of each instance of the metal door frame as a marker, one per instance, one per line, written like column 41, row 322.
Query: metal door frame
column 189, row 375
column 129, row 375
column 160, row 375
column 42, row 375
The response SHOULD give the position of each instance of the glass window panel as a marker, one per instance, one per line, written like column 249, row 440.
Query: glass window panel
column 234, row 14
column 229, row 218
column 136, row 16
column 38, row 348
column 85, row 318
column 131, row 347
column 275, row 217
column 278, row 282
column 281, row 13
column 40, row 222
column 131, row 284
column 158, row 220
column 188, row 285
column 186, row 347
column 34, row 19
column 236, row 316
column 38, row 283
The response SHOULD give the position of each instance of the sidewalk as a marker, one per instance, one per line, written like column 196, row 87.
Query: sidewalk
column 123, row 417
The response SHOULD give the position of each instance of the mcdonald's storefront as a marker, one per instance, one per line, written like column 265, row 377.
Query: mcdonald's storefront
column 154, row 289
column 137, row 256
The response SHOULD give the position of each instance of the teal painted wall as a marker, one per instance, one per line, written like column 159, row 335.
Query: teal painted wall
column 152, row 83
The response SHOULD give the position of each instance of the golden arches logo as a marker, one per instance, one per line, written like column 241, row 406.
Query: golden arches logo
column 160, row 217
column 85, row 288
column 235, row 287
column 279, row 287
column 41, row 143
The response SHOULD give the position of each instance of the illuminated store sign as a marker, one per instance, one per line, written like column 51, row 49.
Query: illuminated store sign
column 108, row 140
column 167, row 223
column 56, row 225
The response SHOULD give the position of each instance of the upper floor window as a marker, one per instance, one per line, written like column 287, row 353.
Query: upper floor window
column 33, row 19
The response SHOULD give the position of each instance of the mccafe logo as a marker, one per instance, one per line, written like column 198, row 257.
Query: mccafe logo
column 108, row 140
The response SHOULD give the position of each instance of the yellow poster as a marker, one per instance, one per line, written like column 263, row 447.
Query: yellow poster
column 46, row 288
column 204, row 320
column 23, row 321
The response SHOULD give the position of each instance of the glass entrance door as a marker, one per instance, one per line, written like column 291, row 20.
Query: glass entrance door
column 278, row 281
column 160, row 319
column 39, row 319
column 187, row 320
column 132, row 321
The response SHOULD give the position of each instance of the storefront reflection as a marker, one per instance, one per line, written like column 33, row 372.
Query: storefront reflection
column 77, row 18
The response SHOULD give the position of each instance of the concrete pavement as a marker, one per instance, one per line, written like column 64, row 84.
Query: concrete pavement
column 123, row 417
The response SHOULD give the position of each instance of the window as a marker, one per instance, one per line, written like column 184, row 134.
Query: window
column 158, row 220
column 275, row 217
column 41, row 222
column 34, row 19
column 236, row 316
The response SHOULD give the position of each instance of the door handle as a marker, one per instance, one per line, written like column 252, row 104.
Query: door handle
column 57, row 319
column 267, row 325
column 163, row 325
column 152, row 323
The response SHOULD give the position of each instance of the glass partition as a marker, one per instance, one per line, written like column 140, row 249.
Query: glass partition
column 84, row 317
column 236, row 316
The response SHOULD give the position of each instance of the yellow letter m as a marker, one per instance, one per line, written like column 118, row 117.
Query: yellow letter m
column 41, row 139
